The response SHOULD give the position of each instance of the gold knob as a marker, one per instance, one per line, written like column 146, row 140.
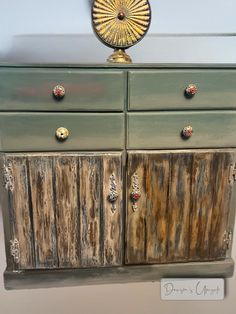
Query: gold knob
column 62, row 134
column 59, row 92
column 187, row 132
column 191, row 90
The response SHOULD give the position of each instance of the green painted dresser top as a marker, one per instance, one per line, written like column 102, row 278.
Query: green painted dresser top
column 104, row 103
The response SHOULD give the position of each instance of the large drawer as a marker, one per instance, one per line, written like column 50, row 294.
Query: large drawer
column 36, row 131
column 85, row 90
column 164, row 129
column 165, row 89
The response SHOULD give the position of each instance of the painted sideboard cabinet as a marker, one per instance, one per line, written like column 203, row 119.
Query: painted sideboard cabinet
column 114, row 173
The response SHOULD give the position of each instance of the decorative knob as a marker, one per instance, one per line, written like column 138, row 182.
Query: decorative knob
column 135, row 196
column 113, row 196
column 59, row 92
column 191, row 90
column 187, row 132
column 62, row 134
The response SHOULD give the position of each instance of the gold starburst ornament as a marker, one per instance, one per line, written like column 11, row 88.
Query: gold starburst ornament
column 120, row 24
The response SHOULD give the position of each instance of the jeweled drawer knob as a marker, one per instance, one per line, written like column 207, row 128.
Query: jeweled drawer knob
column 191, row 90
column 59, row 92
column 187, row 132
column 62, row 134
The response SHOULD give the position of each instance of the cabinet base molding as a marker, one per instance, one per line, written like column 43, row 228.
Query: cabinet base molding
column 33, row 279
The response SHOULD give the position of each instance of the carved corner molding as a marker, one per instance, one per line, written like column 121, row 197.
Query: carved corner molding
column 15, row 250
column 8, row 178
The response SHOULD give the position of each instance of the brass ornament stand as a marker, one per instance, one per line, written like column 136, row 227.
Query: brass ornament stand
column 120, row 24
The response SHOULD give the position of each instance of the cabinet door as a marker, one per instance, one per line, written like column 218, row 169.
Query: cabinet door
column 63, row 210
column 178, row 205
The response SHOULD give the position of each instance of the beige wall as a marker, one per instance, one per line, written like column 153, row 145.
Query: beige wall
column 143, row 298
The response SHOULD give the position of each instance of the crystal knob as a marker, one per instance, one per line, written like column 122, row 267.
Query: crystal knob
column 59, row 92
column 187, row 132
column 62, row 134
column 191, row 90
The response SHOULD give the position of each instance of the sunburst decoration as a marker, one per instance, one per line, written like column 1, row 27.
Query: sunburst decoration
column 120, row 24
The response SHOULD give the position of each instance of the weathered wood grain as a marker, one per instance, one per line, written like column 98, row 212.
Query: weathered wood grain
column 202, row 201
column 90, row 206
column 16, row 183
column 156, row 189
column 221, row 204
column 100, row 227
column 59, row 209
column 179, row 205
column 211, row 205
column 184, row 208
column 136, row 241
column 112, row 217
column 41, row 185
column 67, row 211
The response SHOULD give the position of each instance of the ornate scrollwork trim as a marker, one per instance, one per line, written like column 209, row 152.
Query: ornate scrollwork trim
column 135, row 193
column 8, row 176
column 15, row 250
column 113, row 195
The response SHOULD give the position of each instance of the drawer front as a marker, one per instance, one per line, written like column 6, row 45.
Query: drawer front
column 165, row 89
column 36, row 132
column 164, row 129
column 32, row 89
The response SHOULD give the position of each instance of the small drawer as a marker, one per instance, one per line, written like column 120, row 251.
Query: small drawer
column 81, row 90
column 182, row 89
column 61, row 131
column 204, row 129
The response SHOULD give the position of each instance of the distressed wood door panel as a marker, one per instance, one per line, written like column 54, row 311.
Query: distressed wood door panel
column 43, row 216
column 15, row 192
column 60, row 212
column 184, row 207
column 67, row 211
column 100, row 221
